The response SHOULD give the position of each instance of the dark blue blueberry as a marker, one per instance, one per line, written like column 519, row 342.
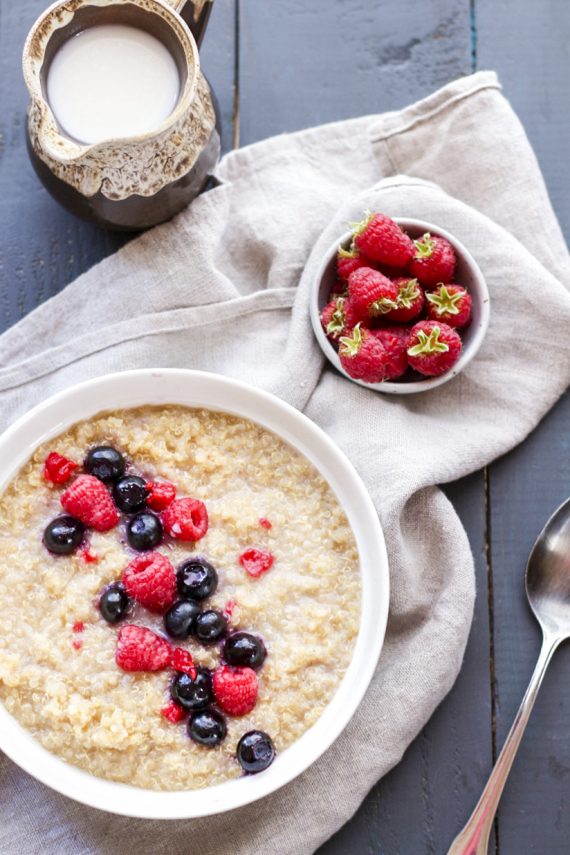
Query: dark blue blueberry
column 242, row 649
column 211, row 626
column 144, row 531
column 193, row 694
column 207, row 727
column 130, row 493
column 255, row 751
column 105, row 463
column 63, row 535
column 114, row 603
column 196, row 579
column 180, row 619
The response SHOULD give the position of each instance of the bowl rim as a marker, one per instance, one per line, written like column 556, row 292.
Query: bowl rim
column 415, row 386
column 185, row 387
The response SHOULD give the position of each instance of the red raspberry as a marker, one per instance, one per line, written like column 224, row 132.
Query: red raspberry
column 371, row 293
column 140, row 649
column 433, row 348
column 235, row 689
column 58, row 469
column 382, row 240
column 182, row 661
column 87, row 499
column 150, row 579
column 256, row 561
column 395, row 344
column 78, row 626
column 450, row 304
column 160, row 494
column 410, row 301
column 339, row 317
column 349, row 260
column 434, row 260
column 265, row 523
column 174, row 712
column 186, row 519
column 363, row 356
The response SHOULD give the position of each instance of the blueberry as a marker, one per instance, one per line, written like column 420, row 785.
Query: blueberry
column 114, row 603
column 243, row 649
column 193, row 694
column 144, row 531
column 255, row 751
column 63, row 535
column 130, row 494
column 105, row 462
column 196, row 579
column 207, row 728
column 180, row 619
column 210, row 626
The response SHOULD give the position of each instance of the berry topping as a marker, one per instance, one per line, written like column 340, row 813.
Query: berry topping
column 150, row 579
column 186, row 519
column 434, row 260
column 363, row 356
column 208, row 728
column 382, row 240
column 395, row 344
column 255, row 751
column 265, row 523
column 256, row 561
column 180, row 619
column 144, row 531
column 78, row 626
column 182, row 661
column 160, row 494
column 88, row 500
column 77, row 644
column 130, row 494
column 193, row 693
column 433, row 348
column 409, row 302
column 114, row 603
column 229, row 609
column 242, row 649
column 58, row 469
column 105, row 463
column 196, row 579
column 89, row 556
column 174, row 713
column 63, row 535
column 450, row 304
column 235, row 689
column 211, row 626
column 140, row 649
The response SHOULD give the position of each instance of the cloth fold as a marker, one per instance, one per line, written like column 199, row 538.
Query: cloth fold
column 225, row 287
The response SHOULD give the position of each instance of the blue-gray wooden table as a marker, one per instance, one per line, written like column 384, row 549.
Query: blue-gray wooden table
column 281, row 65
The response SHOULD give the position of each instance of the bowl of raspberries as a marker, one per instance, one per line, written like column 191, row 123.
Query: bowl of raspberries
column 399, row 305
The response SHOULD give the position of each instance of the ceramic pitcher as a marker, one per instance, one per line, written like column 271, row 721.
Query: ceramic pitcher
column 134, row 182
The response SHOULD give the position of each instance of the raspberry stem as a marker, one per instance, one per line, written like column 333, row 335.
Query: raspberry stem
column 350, row 345
column 408, row 293
column 424, row 246
column 336, row 323
column 428, row 343
column 444, row 302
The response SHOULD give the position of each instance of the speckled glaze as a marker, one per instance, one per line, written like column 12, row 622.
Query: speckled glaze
column 136, row 182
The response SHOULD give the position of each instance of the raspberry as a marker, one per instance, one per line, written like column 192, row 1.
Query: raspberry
column 186, row 519
column 371, row 293
column 88, row 500
column 58, row 469
column 409, row 302
column 363, row 356
column 151, row 580
column 433, row 348
column 140, row 649
column 382, row 240
column 450, row 304
column 349, row 260
column 78, row 626
column 182, row 661
column 339, row 317
column 256, row 561
column 235, row 689
column 160, row 494
column 434, row 260
column 395, row 344
column 265, row 523
column 174, row 713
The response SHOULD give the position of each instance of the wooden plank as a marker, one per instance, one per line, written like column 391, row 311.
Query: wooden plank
column 42, row 247
column 529, row 45
column 302, row 64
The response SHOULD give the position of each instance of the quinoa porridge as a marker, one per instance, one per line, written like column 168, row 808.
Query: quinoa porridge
column 58, row 673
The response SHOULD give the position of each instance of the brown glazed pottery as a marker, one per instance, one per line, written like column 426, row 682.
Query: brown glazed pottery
column 135, row 182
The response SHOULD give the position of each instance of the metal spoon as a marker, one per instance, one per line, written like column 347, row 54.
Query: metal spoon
column 547, row 582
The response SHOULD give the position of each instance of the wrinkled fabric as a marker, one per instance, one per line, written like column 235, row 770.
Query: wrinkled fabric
column 225, row 287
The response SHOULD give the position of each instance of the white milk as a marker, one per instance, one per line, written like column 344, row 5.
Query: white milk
column 112, row 81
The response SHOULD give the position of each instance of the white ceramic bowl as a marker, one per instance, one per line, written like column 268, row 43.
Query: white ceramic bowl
column 468, row 274
column 200, row 389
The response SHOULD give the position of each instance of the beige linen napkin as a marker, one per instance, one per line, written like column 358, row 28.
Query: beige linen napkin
column 225, row 287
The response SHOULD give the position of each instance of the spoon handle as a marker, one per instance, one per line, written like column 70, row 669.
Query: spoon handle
column 474, row 839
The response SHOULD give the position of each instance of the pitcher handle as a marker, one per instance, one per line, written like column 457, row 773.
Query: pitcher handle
column 195, row 13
